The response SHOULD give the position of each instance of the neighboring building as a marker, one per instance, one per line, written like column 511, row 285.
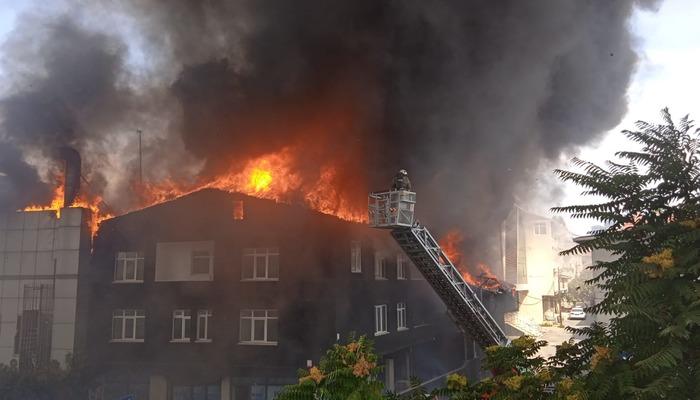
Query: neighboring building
column 224, row 296
column 530, row 247
column 41, row 257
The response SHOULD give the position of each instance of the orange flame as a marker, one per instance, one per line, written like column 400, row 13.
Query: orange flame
column 97, row 215
column 312, row 170
column 272, row 176
column 451, row 245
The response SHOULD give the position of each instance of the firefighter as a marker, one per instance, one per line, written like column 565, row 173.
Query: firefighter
column 401, row 181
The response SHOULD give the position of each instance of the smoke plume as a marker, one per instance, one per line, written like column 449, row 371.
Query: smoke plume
column 468, row 96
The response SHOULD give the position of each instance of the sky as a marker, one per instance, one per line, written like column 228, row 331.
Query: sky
column 667, row 41
column 667, row 76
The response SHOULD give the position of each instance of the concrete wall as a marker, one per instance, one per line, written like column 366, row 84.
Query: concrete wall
column 36, row 248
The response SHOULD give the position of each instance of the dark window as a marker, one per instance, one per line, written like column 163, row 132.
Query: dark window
column 199, row 392
column 261, row 264
column 201, row 262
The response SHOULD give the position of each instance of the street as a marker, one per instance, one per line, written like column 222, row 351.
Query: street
column 555, row 335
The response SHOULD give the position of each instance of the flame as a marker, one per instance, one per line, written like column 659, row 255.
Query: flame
column 95, row 205
column 315, row 168
column 272, row 176
column 55, row 205
column 451, row 246
column 260, row 180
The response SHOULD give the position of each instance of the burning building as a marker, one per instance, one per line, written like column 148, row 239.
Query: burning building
column 216, row 294
column 307, row 102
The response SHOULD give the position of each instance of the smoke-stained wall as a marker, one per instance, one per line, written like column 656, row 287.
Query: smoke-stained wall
column 468, row 96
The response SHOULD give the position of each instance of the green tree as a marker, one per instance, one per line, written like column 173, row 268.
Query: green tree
column 346, row 372
column 46, row 383
column 580, row 292
column 651, row 348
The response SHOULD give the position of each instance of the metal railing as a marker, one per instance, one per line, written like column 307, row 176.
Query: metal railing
column 463, row 304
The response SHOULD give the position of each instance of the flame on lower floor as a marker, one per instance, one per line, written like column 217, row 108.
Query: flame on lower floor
column 479, row 274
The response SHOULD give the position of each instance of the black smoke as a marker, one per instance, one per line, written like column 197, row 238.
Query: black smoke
column 19, row 182
column 468, row 96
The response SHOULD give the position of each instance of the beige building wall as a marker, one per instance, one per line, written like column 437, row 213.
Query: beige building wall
column 536, row 247
column 40, row 256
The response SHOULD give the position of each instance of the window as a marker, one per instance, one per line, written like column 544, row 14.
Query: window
column 203, row 318
column 128, row 267
column 258, row 327
column 540, row 228
column 380, row 325
column 184, row 261
column 238, row 212
column 263, row 392
column 128, row 325
column 201, row 262
column 401, row 317
column 261, row 264
column 181, row 325
column 199, row 392
column 400, row 266
column 355, row 257
column 379, row 266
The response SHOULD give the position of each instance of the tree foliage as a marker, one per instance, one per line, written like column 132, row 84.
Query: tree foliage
column 580, row 292
column 346, row 372
column 46, row 383
column 651, row 348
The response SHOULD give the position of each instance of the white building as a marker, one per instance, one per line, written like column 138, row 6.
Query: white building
column 530, row 247
column 41, row 256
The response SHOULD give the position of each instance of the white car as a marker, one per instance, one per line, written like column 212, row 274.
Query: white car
column 577, row 313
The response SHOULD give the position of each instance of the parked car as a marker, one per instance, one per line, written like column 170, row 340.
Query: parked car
column 577, row 313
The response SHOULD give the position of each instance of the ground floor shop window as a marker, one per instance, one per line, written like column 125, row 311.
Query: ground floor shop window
column 121, row 390
column 196, row 392
column 257, row 392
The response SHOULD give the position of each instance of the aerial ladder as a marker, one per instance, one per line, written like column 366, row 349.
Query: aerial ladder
column 394, row 210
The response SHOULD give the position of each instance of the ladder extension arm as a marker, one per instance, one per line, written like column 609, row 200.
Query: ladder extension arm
column 461, row 301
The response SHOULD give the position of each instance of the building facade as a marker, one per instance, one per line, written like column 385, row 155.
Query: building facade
column 42, row 254
column 224, row 296
column 531, row 260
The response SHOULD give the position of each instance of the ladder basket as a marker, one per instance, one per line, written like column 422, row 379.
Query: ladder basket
column 391, row 209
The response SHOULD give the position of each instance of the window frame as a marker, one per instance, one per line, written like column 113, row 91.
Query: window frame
column 381, row 320
column 380, row 267
column 401, row 267
column 124, row 257
column 401, row 317
column 184, row 320
column 538, row 231
column 356, row 257
column 252, row 318
column 254, row 253
column 238, row 210
column 209, row 394
column 194, row 256
column 206, row 315
column 138, row 314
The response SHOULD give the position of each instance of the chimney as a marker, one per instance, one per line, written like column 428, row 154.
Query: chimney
column 71, row 158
